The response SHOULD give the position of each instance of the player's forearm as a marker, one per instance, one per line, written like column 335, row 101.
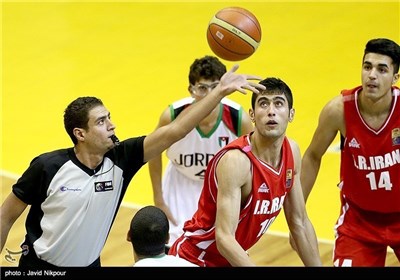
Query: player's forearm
column 4, row 230
column 233, row 252
column 155, row 172
column 307, row 246
column 309, row 172
column 191, row 116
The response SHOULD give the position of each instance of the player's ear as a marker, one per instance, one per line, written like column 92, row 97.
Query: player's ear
column 291, row 114
column 128, row 236
column 395, row 78
column 251, row 114
column 190, row 89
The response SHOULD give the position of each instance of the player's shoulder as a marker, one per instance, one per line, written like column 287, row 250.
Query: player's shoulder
column 292, row 142
column 235, row 156
column 295, row 148
column 229, row 102
column 334, row 107
column 174, row 109
column 182, row 102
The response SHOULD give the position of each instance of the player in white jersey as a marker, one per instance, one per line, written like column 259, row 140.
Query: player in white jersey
column 178, row 191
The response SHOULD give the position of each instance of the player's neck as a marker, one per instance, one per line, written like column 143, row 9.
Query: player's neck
column 267, row 151
column 375, row 112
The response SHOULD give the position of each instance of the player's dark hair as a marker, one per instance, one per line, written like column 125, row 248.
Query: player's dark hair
column 385, row 47
column 149, row 231
column 274, row 85
column 77, row 114
column 207, row 67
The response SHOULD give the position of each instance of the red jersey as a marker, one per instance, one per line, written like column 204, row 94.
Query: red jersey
column 269, row 189
column 370, row 159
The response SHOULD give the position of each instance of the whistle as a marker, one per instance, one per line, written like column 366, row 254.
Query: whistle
column 115, row 140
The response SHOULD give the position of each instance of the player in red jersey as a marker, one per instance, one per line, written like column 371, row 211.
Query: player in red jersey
column 368, row 119
column 245, row 187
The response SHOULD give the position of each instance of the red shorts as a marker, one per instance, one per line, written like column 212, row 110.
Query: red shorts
column 184, row 248
column 363, row 237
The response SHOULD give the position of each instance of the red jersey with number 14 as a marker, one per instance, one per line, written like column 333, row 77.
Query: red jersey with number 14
column 370, row 158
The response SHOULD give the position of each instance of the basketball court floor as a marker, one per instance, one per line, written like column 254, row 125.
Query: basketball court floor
column 135, row 56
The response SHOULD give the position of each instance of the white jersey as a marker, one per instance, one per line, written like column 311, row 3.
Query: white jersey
column 188, row 159
column 164, row 260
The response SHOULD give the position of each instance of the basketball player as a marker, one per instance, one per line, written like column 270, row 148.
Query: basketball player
column 179, row 191
column 368, row 119
column 149, row 234
column 245, row 187
column 74, row 193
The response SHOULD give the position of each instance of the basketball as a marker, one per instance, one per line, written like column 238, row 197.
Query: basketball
column 234, row 33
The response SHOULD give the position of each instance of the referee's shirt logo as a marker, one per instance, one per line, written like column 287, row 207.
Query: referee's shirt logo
column 103, row 186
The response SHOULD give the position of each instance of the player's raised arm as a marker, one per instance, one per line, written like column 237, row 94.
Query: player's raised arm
column 156, row 142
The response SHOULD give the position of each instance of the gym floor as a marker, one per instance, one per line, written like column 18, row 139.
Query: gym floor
column 135, row 56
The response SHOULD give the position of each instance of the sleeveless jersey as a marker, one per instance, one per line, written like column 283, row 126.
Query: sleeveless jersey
column 191, row 154
column 188, row 159
column 269, row 189
column 370, row 159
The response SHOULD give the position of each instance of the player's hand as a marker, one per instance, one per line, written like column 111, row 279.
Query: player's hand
column 231, row 82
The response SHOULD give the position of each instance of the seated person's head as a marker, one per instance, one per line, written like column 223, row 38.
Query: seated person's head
column 149, row 232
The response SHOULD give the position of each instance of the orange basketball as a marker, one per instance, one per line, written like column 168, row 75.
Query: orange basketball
column 234, row 33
